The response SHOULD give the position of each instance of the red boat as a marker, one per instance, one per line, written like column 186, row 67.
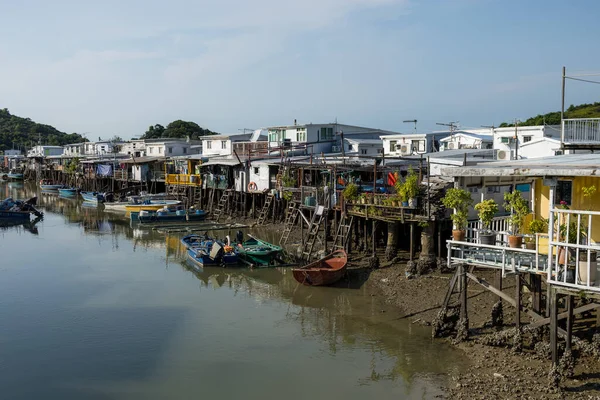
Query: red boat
column 325, row 271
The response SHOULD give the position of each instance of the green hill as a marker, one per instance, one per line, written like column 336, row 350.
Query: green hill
column 17, row 132
column 553, row 118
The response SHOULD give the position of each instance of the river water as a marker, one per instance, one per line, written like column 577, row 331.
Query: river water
column 91, row 308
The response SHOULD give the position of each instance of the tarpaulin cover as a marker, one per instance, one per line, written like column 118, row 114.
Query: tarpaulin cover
column 104, row 170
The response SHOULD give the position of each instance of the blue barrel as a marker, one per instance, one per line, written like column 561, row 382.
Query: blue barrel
column 310, row 201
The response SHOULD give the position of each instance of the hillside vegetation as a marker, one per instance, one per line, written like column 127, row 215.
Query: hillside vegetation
column 553, row 118
column 177, row 129
column 17, row 132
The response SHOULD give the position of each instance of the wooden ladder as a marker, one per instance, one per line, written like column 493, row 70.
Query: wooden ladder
column 262, row 217
column 290, row 222
column 313, row 231
column 223, row 201
column 343, row 231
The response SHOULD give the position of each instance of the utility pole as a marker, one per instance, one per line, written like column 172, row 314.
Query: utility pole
column 411, row 121
column 516, row 139
column 453, row 125
column 562, row 110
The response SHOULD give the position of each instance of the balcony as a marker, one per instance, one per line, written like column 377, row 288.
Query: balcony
column 183, row 179
column 581, row 132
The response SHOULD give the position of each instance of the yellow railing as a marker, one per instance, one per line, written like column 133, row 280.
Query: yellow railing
column 183, row 179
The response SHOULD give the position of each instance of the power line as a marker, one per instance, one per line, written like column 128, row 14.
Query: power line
column 581, row 80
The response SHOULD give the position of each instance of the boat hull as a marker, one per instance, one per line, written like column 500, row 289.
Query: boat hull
column 201, row 259
column 67, row 192
column 258, row 252
column 325, row 271
column 92, row 197
column 15, row 215
column 14, row 177
column 154, row 218
column 152, row 206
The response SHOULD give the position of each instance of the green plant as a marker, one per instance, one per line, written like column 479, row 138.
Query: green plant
column 350, row 192
column 538, row 226
column 460, row 200
column 572, row 232
column 519, row 209
column 487, row 209
column 72, row 166
column 411, row 184
column 287, row 195
column 287, row 180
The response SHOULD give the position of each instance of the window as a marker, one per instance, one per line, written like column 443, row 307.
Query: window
column 209, row 144
column 255, row 170
column 558, row 153
column 301, row 134
column 326, row 133
column 418, row 145
column 223, row 144
column 184, row 150
column 526, row 139
column 392, row 146
column 379, row 151
column 349, row 147
column 363, row 151
column 170, row 150
column 505, row 140
column 472, row 189
column 150, row 149
column 564, row 190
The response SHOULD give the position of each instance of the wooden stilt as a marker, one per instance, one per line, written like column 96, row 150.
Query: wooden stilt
column 569, row 322
column 373, row 229
column 518, row 301
column 553, row 323
column 412, row 240
column 463, row 299
column 536, row 292
column 498, row 282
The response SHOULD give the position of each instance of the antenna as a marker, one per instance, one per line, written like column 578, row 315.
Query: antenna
column 453, row 125
column 411, row 121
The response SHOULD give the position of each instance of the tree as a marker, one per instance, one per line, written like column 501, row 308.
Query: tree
column 177, row 129
column 153, row 132
column 116, row 138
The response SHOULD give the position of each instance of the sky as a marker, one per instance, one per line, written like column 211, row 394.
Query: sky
column 115, row 67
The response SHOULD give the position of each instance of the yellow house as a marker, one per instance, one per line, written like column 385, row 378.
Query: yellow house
column 184, row 171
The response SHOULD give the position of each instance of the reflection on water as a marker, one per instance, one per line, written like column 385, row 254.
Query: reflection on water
column 152, row 327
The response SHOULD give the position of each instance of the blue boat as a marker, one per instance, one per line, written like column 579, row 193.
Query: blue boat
column 18, row 209
column 204, row 251
column 170, row 215
column 15, row 176
column 92, row 197
column 67, row 192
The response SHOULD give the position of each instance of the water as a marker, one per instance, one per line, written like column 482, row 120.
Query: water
column 93, row 309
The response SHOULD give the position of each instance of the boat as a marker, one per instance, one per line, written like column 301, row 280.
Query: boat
column 169, row 215
column 150, row 205
column 18, row 209
column 67, row 192
column 134, row 200
column 204, row 251
column 257, row 252
column 14, row 175
column 48, row 186
column 325, row 271
column 92, row 197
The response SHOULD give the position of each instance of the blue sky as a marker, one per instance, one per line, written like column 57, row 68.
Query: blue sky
column 116, row 67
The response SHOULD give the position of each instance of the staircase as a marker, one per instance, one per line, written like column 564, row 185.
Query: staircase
column 290, row 222
column 222, row 206
column 313, row 231
column 341, row 238
column 264, row 213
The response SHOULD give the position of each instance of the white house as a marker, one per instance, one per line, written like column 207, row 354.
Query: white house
column 12, row 152
column 318, row 138
column 134, row 147
column 363, row 147
column 224, row 145
column 74, row 150
column 171, row 147
column 465, row 140
column 542, row 147
column 412, row 143
column 44, row 151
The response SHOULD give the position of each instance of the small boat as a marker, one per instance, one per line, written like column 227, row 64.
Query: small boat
column 14, row 175
column 169, row 215
column 67, row 192
column 48, row 186
column 92, row 197
column 257, row 252
column 325, row 271
column 18, row 209
column 203, row 251
column 151, row 205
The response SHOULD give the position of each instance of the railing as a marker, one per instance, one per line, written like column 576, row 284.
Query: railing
column 121, row 174
column 507, row 259
column 581, row 130
column 183, row 179
column 500, row 226
column 574, row 257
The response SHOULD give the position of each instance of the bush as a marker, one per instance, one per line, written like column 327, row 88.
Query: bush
column 460, row 200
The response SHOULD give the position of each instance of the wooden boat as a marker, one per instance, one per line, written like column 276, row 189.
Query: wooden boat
column 92, row 197
column 18, row 209
column 171, row 215
column 325, row 271
column 258, row 252
column 15, row 176
column 151, row 205
column 67, row 192
column 204, row 251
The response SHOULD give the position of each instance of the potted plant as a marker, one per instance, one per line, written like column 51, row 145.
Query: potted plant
column 350, row 193
column 363, row 199
column 536, row 226
column 459, row 200
column 487, row 209
column 411, row 187
column 519, row 210
column 401, row 193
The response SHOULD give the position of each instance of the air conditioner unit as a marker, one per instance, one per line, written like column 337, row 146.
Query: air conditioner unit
column 451, row 146
column 286, row 143
column 403, row 148
column 335, row 149
column 503, row 155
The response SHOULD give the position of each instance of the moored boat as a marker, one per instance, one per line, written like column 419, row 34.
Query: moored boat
column 67, row 192
column 325, row 271
column 92, row 197
column 18, row 209
column 14, row 175
column 257, row 252
column 151, row 205
column 170, row 215
column 204, row 251
column 49, row 186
